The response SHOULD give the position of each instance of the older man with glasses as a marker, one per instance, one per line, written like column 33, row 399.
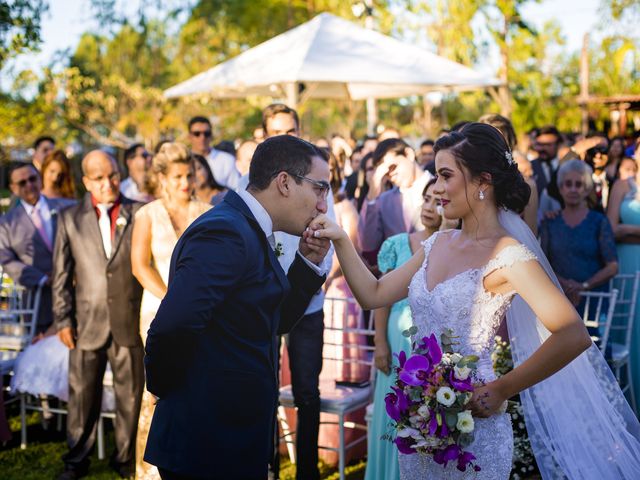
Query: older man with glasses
column 223, row 165
column 27, row 234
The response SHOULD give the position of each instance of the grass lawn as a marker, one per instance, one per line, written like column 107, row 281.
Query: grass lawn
column 41, row 459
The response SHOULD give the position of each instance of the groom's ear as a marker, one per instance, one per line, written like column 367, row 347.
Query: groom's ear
column 282, row 182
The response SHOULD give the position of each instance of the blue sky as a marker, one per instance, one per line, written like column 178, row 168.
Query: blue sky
column 66, row 20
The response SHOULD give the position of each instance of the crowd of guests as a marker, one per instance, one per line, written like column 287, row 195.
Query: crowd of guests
column 102, row 260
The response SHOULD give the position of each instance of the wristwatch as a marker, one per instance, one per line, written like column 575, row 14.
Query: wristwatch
column 585, row 285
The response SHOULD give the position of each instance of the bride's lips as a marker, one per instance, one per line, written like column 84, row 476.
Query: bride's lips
column 444, row 202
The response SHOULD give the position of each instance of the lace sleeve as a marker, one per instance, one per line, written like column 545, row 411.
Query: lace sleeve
column 508, row 256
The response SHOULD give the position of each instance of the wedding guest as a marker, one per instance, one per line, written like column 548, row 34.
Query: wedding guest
column 615, row 154
column 138, row 161
column 222, row 164
column 42, row 147
column 57, row 177
column 624, row 214
column 426, row 157
column 382, row 456
column 598, row 160
column 207, row 190
column 386, row 213
column 628, row 168
column 579, row 242
column 157, row 227
column 96, row 305
column 244, row 155
column 546, row 144
column 27, row 236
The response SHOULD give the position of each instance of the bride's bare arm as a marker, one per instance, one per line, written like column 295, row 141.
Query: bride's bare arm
column 370, row 292
column 569, row 337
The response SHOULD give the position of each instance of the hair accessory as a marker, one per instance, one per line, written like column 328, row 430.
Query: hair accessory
column 481, row 195
column 509, row 158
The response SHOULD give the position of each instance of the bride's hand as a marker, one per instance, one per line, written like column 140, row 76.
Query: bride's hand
column 486, row 401
column 323, row 227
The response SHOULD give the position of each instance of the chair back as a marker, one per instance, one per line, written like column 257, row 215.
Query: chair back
column 597, row 315
column 628, row 285
column 19, row 308
column 348, row 342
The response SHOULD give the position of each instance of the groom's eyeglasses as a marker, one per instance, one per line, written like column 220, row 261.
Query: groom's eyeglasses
column 321, row 187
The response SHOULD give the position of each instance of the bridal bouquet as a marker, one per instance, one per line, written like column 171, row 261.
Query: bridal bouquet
column 428, row 402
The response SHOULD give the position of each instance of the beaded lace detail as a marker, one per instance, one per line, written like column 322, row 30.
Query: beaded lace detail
column 462, row 304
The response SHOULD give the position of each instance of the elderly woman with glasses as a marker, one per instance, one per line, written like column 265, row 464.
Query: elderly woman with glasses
column 579, row 242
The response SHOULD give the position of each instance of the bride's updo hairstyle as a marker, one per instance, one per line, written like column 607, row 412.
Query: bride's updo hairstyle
column 482, row 149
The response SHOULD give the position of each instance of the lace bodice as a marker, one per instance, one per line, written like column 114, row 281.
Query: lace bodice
column 462, row 304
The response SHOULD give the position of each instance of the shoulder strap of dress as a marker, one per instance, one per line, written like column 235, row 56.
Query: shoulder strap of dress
column 427, row 244
column 508, row 256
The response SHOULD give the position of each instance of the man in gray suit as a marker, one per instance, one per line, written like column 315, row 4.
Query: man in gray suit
column 96, row 306
column 27, row 233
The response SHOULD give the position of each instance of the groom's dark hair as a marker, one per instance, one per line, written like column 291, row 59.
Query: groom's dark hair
column 283, row 153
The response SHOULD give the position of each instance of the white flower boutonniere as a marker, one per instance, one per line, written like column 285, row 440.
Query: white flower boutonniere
column 278, row 250
column 121, row 222
column 53, row 212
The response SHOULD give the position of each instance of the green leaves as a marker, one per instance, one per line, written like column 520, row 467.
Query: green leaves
column 410, row 331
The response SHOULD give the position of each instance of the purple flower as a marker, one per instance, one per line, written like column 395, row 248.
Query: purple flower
column 444, row 430
column 396, row 403
column 404, row 445
column 444, row 456
column 460, row 385
column 433, row 424
column 415, row 370
column 430, row 344
column 402, row 357
column 464, row 459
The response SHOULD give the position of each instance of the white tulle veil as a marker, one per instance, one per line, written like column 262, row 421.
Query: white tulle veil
column 579, row 423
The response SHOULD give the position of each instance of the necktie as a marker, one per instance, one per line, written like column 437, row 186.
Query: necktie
column 36, row 218
column 104, row 223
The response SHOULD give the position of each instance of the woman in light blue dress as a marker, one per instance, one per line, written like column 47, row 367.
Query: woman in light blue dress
column 624, row 215
column 382, row 455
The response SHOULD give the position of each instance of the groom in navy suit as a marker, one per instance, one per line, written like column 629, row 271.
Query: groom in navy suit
column 211, row 352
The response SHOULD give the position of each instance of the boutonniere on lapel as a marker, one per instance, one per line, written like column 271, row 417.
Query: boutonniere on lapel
column 53, row 212
column 121, row 222
column 278, row 250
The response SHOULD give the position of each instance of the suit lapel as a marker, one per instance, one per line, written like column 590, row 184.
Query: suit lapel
column 89, row 221
column 22, row 218
column 122, row 223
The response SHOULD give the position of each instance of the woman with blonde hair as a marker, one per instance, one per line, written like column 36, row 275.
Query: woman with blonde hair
column 57, row 178
column 157, row 227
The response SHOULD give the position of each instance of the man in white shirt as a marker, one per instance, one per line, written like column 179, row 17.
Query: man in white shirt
column 223, row 165
column 138, row 162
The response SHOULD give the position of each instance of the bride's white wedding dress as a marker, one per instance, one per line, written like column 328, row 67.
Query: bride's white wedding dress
column 462, row 304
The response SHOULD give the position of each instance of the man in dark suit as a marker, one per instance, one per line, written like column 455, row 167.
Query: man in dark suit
column 212, row 348
column 27, row 234
column 96, row 306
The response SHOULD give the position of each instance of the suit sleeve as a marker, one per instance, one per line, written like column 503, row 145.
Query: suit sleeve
column 26, row 275
column 304, row 284
column 208, row 264
column 370, row 231
column 62, row 285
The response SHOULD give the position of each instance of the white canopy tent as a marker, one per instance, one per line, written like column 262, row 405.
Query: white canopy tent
column 329, row 57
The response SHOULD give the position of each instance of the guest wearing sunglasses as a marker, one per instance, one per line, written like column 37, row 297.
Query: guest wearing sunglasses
column 27, row 234
column 579, row 242
column 222, row 164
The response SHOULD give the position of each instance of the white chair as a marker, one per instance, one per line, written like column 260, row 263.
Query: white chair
column 628, row 286
column 597, row 315
column 339, row 400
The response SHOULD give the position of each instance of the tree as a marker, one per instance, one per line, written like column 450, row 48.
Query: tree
column 19, row 26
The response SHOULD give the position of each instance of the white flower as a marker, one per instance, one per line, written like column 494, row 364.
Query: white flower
column 465, row 422
column 415, row 420
column 407, row 432
column 445, row 396
column 461, row 373
column 446, row 359
column 53, row 212
column 121, row 222
column 423, row 411
column 455, row 358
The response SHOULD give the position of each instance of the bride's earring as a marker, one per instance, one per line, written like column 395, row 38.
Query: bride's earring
column 481, row 195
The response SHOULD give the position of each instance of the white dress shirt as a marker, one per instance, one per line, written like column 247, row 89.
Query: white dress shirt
column 223, row 167
column 130, row 189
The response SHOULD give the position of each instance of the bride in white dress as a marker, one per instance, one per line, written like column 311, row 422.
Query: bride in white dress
column 579, row 424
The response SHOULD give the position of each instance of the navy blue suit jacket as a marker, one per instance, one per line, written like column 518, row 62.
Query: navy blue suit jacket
column 211, row 352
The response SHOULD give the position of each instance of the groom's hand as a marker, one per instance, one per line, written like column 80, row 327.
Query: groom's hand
column 312, row 248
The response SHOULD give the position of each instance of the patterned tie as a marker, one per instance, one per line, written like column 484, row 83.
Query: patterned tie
column 104, row 223
column 36, row 218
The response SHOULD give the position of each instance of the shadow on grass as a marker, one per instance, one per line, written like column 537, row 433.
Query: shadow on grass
column 42, row 457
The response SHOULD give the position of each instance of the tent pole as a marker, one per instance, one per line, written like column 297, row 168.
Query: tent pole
column 291, row 89
column 372, row 115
